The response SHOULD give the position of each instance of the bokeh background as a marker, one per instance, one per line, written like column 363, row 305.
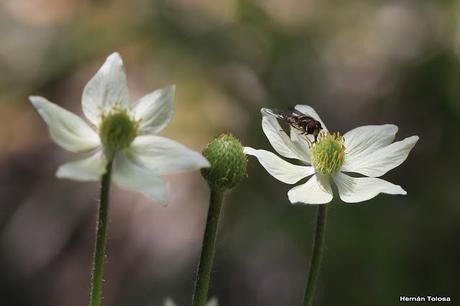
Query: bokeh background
column 357, row 63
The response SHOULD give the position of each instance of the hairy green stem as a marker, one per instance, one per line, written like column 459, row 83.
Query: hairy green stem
column 208, row 249
column 318, row 247
column 101, row 234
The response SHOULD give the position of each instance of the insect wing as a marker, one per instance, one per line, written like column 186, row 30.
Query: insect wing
column 293, row 118
column 278, row 114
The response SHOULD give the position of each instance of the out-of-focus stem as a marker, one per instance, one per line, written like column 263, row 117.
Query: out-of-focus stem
column 101, row 234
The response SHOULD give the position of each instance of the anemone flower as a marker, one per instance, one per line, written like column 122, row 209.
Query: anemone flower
column 368, row 151
column 120, row 142
column 120, row 132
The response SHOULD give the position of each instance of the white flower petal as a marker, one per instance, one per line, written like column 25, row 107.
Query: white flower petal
column 108, row 88
column 309, row 111
column 384, row 159
column 279, row 168
column 301, row 143
column 164, row 155
column 358, row 189
column 365, row 140
column 84, row 170
column 317, row 190
column 155, row 110
column 66, row 129
column 279, row 140
column 129, row 175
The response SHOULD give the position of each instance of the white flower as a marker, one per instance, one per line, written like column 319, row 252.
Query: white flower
column 122, row 132
column 211, row 302
column 366, row 150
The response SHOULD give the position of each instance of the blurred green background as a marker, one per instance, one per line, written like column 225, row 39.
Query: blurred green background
column 356, row 63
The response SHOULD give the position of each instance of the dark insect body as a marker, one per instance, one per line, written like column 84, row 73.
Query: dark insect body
column 298, row 120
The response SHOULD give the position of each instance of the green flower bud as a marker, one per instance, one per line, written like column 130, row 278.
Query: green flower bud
column 228, row 163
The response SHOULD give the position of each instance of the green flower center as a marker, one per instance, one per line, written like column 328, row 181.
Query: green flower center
column 117, row 130
column 328, row 154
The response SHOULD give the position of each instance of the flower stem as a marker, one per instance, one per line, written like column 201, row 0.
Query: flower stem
column 318, row 247
column 208, row 249
column 99, row 251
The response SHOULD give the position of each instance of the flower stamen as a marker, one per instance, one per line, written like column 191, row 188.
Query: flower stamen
column 117, row 130
column 328, row 153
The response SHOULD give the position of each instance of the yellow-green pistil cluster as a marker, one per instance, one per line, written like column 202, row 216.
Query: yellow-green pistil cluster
column 328, row 154
column 117, row 130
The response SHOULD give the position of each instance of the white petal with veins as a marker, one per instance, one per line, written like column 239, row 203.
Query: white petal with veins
column 84, row 170
column 129, row 175
column 66, row 129
column 367, row 139
column 155, row 110
column 279, row 168
column 107, row 89
column 279, row 140
column 382, row 160
column 358, row 189
column 164, row 155
column 317, row 190
column 301, row 143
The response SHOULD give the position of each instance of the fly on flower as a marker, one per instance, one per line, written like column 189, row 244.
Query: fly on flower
column 307, row 125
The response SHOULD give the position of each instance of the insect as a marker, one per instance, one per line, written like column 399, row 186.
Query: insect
column 298, row 120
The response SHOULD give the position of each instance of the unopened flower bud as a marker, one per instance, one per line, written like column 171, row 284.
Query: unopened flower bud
column 228, row 163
